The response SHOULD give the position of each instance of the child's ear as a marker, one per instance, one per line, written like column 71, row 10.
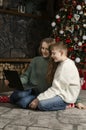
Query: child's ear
column 61, row 51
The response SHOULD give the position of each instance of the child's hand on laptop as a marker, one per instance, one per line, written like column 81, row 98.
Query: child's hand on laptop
column 6, row 82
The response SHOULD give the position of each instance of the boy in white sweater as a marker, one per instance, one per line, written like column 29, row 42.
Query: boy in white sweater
column 65, row 86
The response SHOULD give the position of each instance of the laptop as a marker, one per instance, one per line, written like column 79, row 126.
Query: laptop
column 14, row 79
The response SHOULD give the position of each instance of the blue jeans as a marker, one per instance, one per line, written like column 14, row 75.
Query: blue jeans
column 52, row 104
column 22, row 98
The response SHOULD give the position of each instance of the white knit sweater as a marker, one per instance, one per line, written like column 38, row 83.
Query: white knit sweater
column 66, row 83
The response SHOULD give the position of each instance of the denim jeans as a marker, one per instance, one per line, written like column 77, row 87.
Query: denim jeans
column 22, row 98
column 52, row 104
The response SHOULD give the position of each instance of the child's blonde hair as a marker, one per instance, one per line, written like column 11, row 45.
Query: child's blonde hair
column 60, row 45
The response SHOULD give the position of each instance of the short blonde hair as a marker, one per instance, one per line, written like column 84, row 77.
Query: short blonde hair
column 60, row 45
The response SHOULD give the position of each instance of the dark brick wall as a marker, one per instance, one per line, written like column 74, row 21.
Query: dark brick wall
column 20, row 36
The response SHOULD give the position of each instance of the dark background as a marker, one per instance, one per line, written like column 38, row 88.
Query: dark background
column 20, row 35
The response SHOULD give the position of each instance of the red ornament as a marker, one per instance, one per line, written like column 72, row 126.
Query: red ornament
column 58, row 20
column 69, row 16
column 83, row 87
column 75, row 27
column 68, row 40
column 85, row 75
column 84, row 83
column 80, row 72
column 70, row 49
column 57, row 39
column 73, row 57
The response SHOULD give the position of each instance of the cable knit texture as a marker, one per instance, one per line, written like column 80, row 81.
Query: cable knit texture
column 66, row 83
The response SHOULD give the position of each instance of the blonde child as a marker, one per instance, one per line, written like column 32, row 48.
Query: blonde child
column 65, row 87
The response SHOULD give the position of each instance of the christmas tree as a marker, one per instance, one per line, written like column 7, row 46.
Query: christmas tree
column 69, row 25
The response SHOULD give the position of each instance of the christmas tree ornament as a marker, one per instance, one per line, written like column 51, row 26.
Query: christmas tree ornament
column 81, row 12
column 84, row 37
column 76, row 27
column 75, row 39
column 61, row 31
column 65, row 10
column 78, row 7
column 72, row 57
column 69, row 16
column 84, row 25
column 77, row 60
column 76, row 47
column 57, row 16
column 69, row 28
column 57, row 39
column 77, row 17
column 68, row 40
column 53, row 24
column 71, row 49
column 79, row 43
column 58, row 20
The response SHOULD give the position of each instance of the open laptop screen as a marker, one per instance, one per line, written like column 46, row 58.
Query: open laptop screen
column 14, row 79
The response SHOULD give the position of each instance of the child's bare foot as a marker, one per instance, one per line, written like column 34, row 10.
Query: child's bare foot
column 80, row 106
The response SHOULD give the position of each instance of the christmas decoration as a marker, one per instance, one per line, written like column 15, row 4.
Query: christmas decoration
column 4, row 99
column 83, row 79
column 69, row 25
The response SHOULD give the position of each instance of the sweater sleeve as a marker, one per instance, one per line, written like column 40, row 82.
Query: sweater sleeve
column 25, row 77
column 51, row 92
